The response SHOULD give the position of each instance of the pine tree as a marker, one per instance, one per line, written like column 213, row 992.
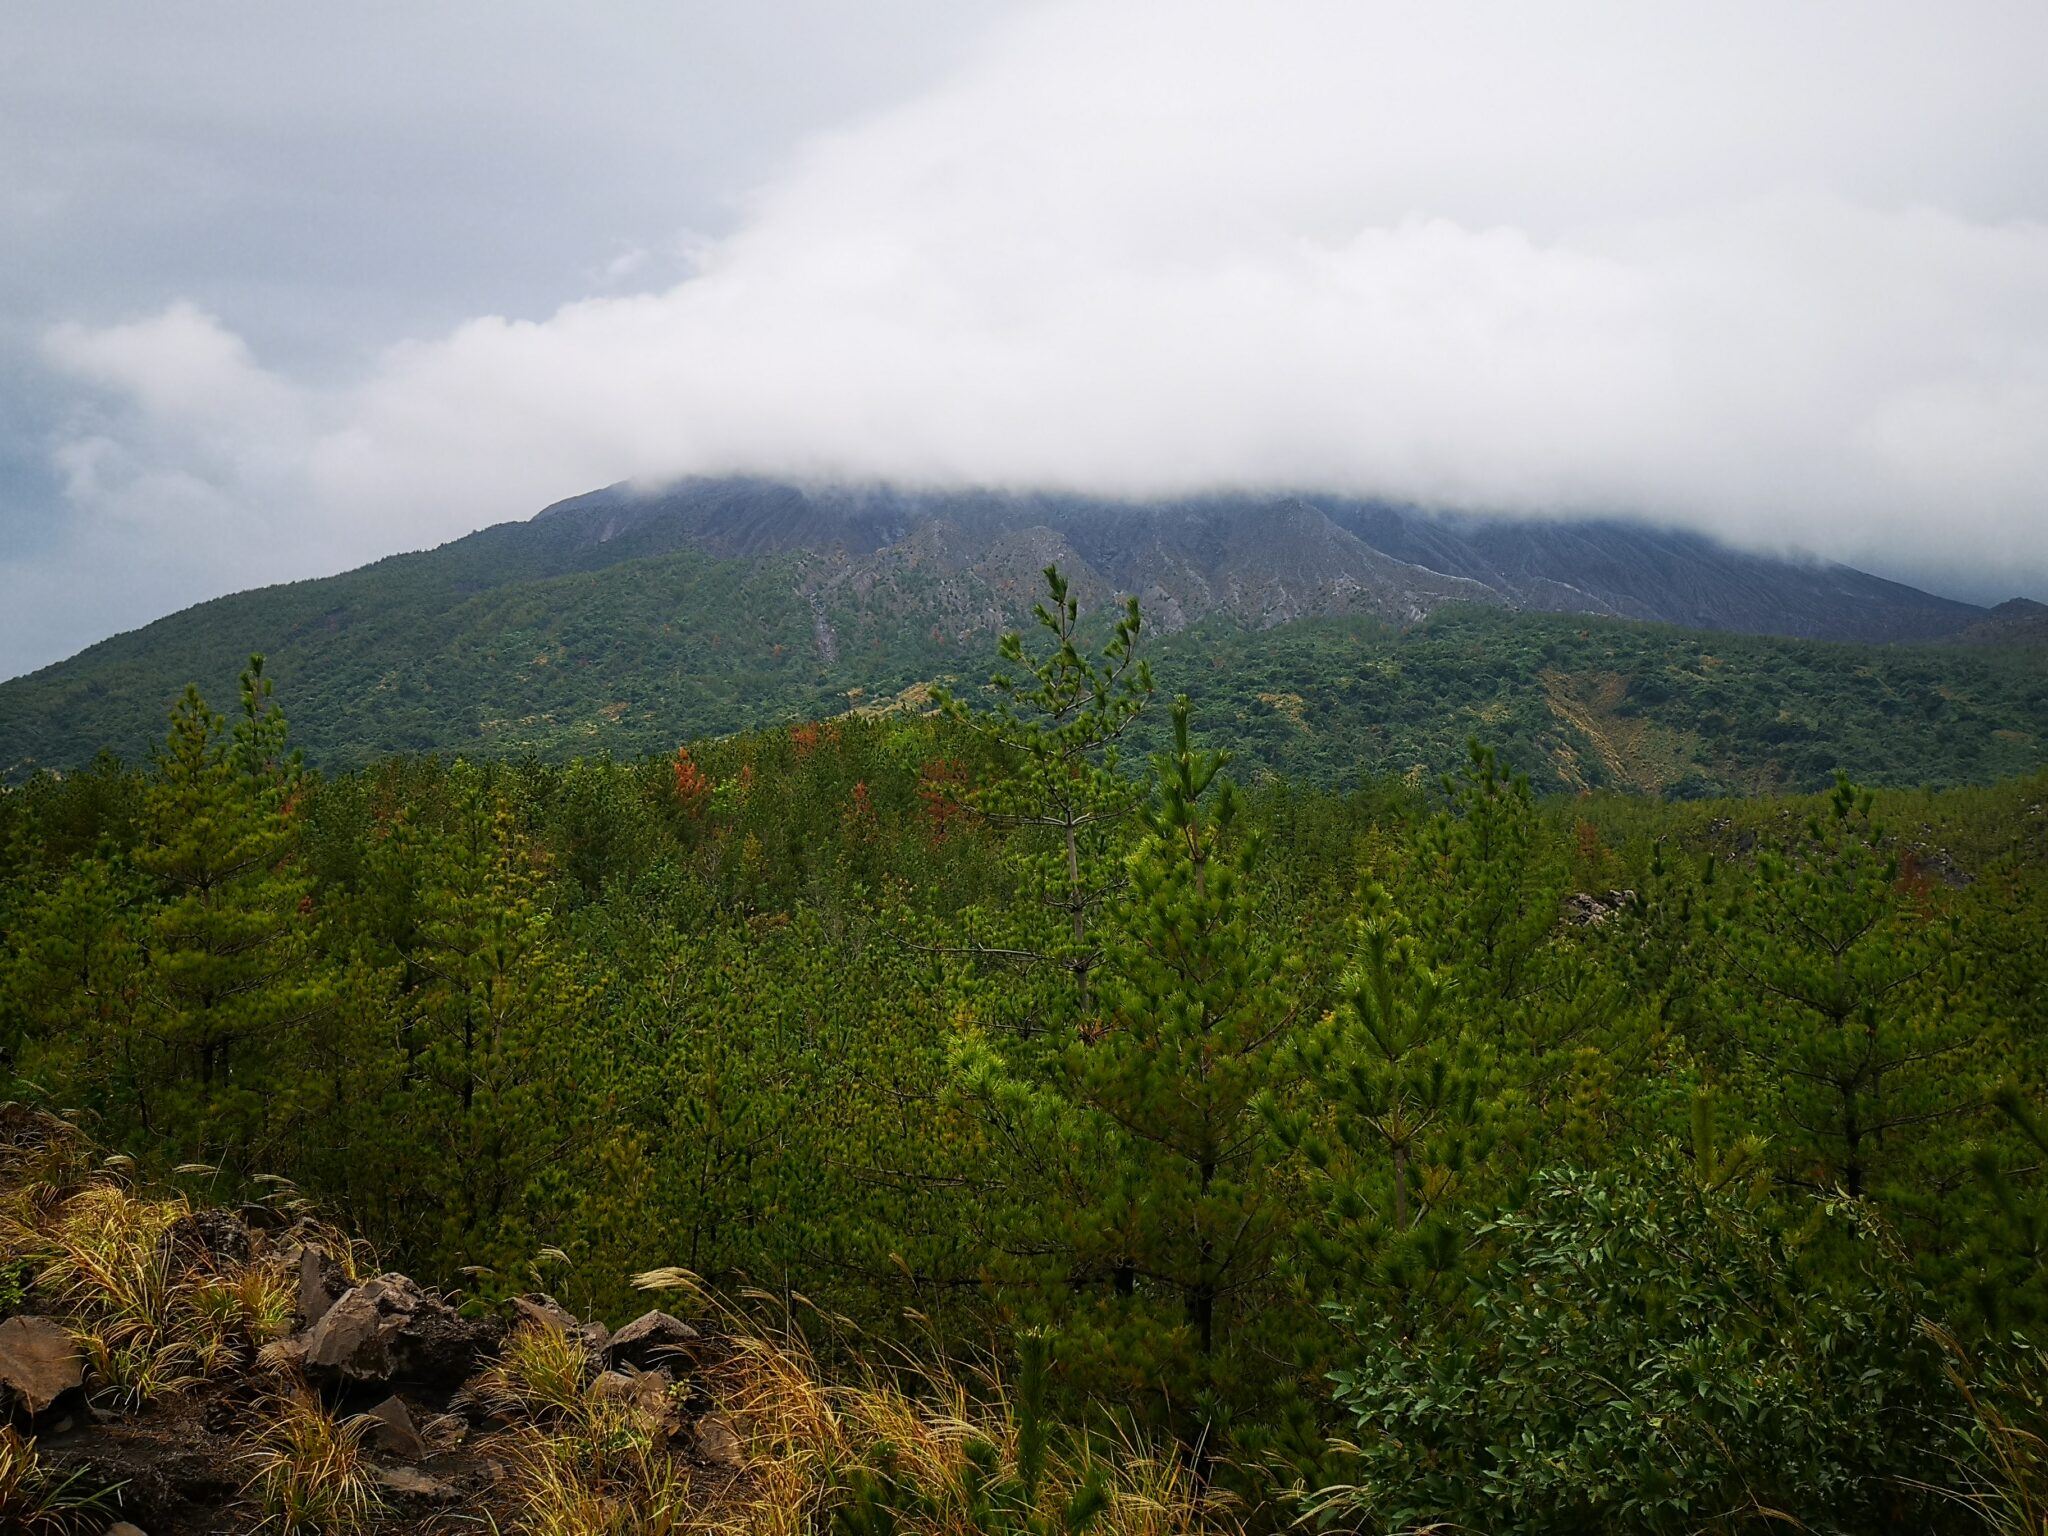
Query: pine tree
column 228, row 975
column 1399, row 1115
column 1847, row 992
column 503, row 1063
column 1170, row 1195
column 1058, row 718
column 1480, row 886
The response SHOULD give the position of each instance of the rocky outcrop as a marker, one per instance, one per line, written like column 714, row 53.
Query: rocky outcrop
column 210, row 1239
column 389, row 1330
column 1583, row 909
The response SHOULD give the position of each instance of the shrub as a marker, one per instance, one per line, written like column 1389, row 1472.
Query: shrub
column 1644, row 1351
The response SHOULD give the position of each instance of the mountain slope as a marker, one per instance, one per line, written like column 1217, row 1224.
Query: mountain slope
column 1266, row 559
column 630, row 623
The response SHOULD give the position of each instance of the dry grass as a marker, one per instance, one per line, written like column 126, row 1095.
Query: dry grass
column 36, row 1502
column 945, row 1459
column 909, row 1451
column 588, row 1458
column 541, row 1374
column 148, row 1320
column 2005, row 1469
column 310, row 1473
column 148, row 1324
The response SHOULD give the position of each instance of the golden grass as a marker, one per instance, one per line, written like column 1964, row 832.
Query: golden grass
column 149, row 1326
column 148, row 1322
column 947, row 1456
column 540, row 1374
column 309, row 1472
column 34, row 1501
column 588, row 1458
column 916, row 1450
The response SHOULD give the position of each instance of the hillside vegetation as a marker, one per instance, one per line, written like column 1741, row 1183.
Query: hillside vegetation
column 624, row 622
column 1424, row 1155
column 632, row 658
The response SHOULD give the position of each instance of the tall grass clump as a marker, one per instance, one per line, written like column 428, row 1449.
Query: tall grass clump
column 924, row 1448
column 2003, row 1464
column 310, row 1473
column 34, row 1501
column 590, row 1454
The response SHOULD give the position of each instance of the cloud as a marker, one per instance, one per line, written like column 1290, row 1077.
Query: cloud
column 1777, row 273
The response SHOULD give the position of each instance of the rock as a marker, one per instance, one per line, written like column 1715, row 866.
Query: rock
column 612, row 1384
column 391, row 1429
column 1582, row 908
column 320, row 1281
column 718, row 1443
column 213, row 1239
column 649, row 1392
column 39, row 1363
column 413, row 1483
column 123, row 1528
column 535, row 1307
column 653, row 1339
column 545, row 1312
column 388, row 1330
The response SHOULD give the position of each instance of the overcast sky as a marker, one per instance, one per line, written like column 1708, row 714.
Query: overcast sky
column 286, row 288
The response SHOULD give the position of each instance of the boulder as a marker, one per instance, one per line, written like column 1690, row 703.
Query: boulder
column 388, row 1330
column 651, row 1340
column 1585, row 909
column 391, row 1429
column 651, row 1394
column 39, row 1363
column 534, row 1307
column 320, row 1281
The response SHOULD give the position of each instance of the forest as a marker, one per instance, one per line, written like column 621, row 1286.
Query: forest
column 1388, row 1151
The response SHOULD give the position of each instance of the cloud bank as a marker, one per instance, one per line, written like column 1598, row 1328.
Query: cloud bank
column 1780, row 273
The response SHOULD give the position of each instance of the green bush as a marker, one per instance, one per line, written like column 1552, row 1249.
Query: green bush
column 1642, row 1351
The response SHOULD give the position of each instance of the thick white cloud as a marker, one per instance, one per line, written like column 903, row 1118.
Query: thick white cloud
column 1778, row 272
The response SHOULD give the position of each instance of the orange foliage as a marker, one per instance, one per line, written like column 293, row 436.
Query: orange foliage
column 807, row 738
column 693, row 784
column 939, row 786
column 860, row 812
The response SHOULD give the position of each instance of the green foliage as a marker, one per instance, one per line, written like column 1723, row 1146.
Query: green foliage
column 1400, row 1113
column 1646, row 1352
column 951, row 1030
column 1056, row 722
column 1851, row 1004
column 1193, row 1037
column 487, row 648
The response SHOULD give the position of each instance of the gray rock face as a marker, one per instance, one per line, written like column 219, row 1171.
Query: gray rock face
column 411, row 1483
column 39, row 1363
column 387, row 1330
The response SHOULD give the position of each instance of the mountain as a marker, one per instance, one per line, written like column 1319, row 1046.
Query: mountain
column 1267, row 559
column 1339, row 636
column 2020, row 621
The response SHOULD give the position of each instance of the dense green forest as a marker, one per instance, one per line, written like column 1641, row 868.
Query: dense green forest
column 1411, row 1148
column 482, row 651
